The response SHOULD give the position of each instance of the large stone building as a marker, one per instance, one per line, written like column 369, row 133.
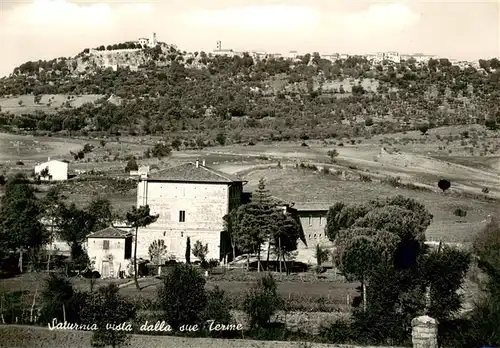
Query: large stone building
column 191, row 200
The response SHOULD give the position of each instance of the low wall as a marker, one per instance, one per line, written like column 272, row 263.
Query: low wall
column 17, row 336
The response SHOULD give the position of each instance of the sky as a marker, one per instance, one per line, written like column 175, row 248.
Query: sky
column 46, row 29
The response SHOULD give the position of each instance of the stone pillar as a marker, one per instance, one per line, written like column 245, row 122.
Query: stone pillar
column 424, row 332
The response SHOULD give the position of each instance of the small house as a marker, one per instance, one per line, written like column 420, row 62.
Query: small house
column 110, row 251
column 52, row 170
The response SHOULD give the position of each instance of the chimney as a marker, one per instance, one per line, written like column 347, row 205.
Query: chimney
column 48, row 158
column 197, row 163
column 203, row 163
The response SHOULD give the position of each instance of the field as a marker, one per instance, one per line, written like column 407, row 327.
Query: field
column 49, row 103
column 418, row 160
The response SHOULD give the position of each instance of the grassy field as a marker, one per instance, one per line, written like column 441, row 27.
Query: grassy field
column 305, row 187
column 49, row 103
column 415, row 158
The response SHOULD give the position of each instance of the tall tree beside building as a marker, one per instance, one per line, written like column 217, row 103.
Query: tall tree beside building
column 20, row 227
column 51, row 204
column 139, row 217
column 188, row 250
column 284, row 238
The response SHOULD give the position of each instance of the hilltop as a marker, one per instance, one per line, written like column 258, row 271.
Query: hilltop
column 203, row 99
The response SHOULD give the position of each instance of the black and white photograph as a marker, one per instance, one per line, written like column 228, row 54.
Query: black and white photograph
column 250, row 173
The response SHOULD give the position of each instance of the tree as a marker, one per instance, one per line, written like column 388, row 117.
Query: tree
column 444, row 184
column 320, row 254
column 51, row 204
column 221, row 138
column 161, row 150
column 109, row 311
column 284, row 236
column 76, row 224
column 182, row 296
column 381, row 245
column 131, row 165
column 20, row 226
column 59, row 300
column 200, row 251
column 44, row 173
column 188, row 250
column 332, row 154
column 486, row 315
column 139, row 217
column 157, row 251
column 252, row 224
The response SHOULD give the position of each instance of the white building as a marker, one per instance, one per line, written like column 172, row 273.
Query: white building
column 52, row 170
column 392, row 57
column 110, row 252
column 151, row 42
column 191, row 200
column 225, row 52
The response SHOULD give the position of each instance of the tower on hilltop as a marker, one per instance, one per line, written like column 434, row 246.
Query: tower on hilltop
column 153, row 41
column 219, row 45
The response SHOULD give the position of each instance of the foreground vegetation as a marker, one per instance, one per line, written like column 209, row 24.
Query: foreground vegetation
column 376, row 241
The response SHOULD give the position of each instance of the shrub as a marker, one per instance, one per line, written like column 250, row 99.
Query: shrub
column 182, row 296
column 332, row 154
column 444, row 184
column 19, row 163
column 217, row 309
column 423, row 128
column 131, row 165
column 262, row 302
column 108, row 307
column 221, row 139
column 484, row 190
column 59, row 300
column 161, row 150
column 365, row 178
column 460, row 212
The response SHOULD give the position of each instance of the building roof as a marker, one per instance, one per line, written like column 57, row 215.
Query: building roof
column 189, row 172
column 53, row 161
column 311, row 206
column 110, row 232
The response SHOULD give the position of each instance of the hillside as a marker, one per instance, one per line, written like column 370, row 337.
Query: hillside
column 195, row 96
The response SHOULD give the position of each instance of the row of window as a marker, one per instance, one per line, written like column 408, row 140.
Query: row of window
column 320, row 220
column 316, row 236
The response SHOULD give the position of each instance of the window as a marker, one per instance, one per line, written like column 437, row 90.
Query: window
column 183, row 191
column 182, row 216
column 310, row 221
column 320, row 220
column 105, row 244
